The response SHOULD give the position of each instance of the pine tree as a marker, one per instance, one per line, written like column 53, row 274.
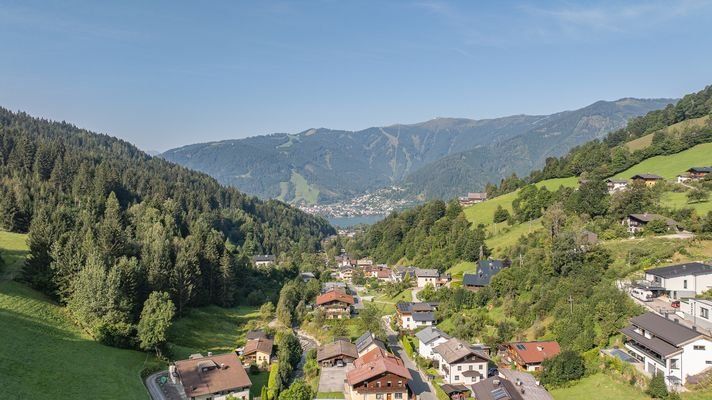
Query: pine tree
column 227, row 281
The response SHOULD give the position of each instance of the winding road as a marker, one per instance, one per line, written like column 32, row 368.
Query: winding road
column 420, row 385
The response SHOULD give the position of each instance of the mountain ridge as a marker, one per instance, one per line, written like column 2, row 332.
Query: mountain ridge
column 332, row 165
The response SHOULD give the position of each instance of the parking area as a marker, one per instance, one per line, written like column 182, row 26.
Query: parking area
column 332, row 378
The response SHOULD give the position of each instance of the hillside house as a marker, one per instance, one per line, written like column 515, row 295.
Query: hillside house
column 681, row 280
column 616, row 185
column 335, row 304
column 367, row 342
column 427, row 276
column 265, row 260
column 697, row 173
column 428, row 339
column 668, row 348
column 338, row 353
column 461, row 363
column 398, row 274
column 528, row 356
column 637, row 222
column 486, row 269
column 258, row 351
column 411, row 316
column 212, row 377
column 346, row 272
column 364, row 262
column 649, row 180
column 378, row 375
column 472, row 198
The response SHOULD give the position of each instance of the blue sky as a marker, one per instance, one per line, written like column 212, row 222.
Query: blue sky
column 170, row 73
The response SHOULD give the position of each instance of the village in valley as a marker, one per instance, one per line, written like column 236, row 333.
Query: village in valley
column 370, row 331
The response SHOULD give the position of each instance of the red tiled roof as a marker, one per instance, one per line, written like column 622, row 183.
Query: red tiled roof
column 375, row 363
column 334, row 295
column 535, row 352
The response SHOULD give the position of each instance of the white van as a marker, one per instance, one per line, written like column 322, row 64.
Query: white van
column 641, row 294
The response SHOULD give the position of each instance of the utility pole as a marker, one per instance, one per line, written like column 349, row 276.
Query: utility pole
column 571, row 301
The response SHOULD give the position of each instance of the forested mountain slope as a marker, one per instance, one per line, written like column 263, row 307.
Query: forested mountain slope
column 108, row 225
column 325, row 165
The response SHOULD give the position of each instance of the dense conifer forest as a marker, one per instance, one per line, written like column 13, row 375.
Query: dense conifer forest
column 108, row 225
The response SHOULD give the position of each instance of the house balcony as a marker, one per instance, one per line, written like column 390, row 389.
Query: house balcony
column 649, row 354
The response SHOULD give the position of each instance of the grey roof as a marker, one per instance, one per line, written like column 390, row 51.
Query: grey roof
column 647, row 176
column 672, row 271
column 427, row 273
column 366, row 340
column 526, row 381
column 665, row 329
column 424, row 316
column 430, row 334
column 496, row 388
column 338, row 348
column 700, row 169
column 264, row 257
column 256, row 334
column 407, row 307
column 655, row 344
column 455, row 349
column 450, row 389
column 486, row 269
column 647, row 217
column 615, row 180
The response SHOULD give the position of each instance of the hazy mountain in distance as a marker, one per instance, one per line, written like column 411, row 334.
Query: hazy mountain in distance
column 325, row 165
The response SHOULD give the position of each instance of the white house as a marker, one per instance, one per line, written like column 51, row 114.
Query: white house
column 697, row 311
column 682, row 280
column 428, row 339
column 616, row 185
column 461, row 363
column 668, row 348
column 264, row 260
column 411, row 316
column 427, row 276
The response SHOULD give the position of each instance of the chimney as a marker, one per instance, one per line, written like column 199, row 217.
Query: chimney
column 539, row 348
column 496, row 382
column 223, row 366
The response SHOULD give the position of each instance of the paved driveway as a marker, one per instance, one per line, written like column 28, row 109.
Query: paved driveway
column 332, row 378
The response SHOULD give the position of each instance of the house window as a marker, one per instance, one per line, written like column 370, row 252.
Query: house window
column 399, row 395
column 481, row 366
column 388, row 384
column 470, row 367
column 378, row 384
column 705, row 312
column 698, row 347
column 708, row 362
column 379, row 396
column 673, row 364
column 400, row 383
column 457, row 377
column 684, row 284
column 459, row 367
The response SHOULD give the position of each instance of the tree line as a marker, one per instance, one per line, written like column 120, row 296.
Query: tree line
column 109, row 225
column 433, row 235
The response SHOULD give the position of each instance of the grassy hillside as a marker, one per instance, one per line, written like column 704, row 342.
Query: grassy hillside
column 44, row 354
column 210, row 328
column 679, row 200
column 672, row 130
column 670, row 166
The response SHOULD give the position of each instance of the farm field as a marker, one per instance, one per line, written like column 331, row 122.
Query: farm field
column 679, row 200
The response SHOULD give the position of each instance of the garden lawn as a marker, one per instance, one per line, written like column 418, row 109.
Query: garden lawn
column 210, row 328
column 258, row 381
column 599, row 386
column 45, row 356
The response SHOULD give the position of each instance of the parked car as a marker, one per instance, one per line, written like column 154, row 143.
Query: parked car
column 675, row 304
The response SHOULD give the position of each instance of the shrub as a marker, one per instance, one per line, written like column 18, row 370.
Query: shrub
column 657, row 388
column 565, row 367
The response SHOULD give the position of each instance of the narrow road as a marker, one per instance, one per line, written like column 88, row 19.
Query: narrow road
column 420, row 385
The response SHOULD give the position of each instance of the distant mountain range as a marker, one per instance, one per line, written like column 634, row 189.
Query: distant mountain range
column 440, row 158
